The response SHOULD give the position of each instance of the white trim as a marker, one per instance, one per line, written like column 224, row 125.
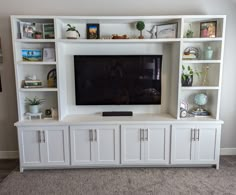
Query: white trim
column 9, row 155
column 228, row 151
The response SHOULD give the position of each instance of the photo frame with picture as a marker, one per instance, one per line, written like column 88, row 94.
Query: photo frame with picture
column 208, row 29
column 93, row 31
column 167, row 30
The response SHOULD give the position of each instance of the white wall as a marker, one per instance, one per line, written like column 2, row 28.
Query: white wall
column 8, row 112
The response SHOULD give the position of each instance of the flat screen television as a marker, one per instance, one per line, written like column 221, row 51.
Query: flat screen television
column 117, row 79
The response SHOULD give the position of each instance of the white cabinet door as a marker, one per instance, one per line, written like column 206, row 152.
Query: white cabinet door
column 157, row 141
column 95, row 145
column 29, row 146
column 182, row 145
column 207, row 143
column 132, row 146
column 56, row 145
column 82, row 147
column 106, row 143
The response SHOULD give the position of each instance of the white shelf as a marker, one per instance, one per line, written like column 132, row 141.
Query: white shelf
column 201, row 61
column 200, row 88
column 119, row 40
column 38, row 89
column 36, row 63
column 35, row 40
column 186, row 40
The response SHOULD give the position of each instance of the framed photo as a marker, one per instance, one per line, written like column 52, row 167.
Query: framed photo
column 49, row 55
column 32, row 55
column 166, row 30
column 208, row 29
column 27, row 30
column 93, row 31
column 48, row 31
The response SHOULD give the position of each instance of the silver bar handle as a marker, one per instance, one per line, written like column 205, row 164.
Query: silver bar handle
column 198, row 134
column 40, row 136
column 147, row 134
column 96, row 135
column 44, row 137
column 192, row 134
column 141, row 134
column 90, row 135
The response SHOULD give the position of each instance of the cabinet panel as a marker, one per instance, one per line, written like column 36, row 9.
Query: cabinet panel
column 29, row 145
column 57, row 145
column 132, row 148
column 81, row 146
column 182, row 146
column 107, row 145
column 157, row 140
column 207, row 144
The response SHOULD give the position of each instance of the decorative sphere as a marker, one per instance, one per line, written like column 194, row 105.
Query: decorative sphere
column 200, row 99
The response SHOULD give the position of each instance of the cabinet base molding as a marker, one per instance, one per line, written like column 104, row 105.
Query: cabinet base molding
column 228, row 151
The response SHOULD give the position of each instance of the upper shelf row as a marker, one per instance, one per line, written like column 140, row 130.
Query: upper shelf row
column 155, row 29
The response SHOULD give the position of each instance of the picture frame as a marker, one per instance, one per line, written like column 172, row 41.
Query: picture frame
column 167, row 30
column 49, row 55
column 48, row 31
column 208, row 29
column 32, row 55
column 93, row 31
column 27, row 30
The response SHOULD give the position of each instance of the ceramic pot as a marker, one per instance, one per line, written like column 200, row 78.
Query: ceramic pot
column 34, row 109
column 188, row 81
column 72, row 35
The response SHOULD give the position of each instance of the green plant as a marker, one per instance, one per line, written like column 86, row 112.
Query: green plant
column 72, row 28
column 38, row 33
column 140, row 26
column 189, row 33
column 189, row 72
column 34, row 101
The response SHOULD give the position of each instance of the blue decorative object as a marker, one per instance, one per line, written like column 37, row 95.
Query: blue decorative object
column 201, row 100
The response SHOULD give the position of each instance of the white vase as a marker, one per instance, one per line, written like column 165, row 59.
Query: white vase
column 34, row 109
column 208, row 53
column 72, row 35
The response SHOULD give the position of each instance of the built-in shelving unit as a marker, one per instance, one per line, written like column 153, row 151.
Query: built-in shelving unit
column 156, row 134
column 171, row 48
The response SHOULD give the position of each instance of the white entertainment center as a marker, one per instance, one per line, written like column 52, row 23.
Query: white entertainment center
column 156, row 135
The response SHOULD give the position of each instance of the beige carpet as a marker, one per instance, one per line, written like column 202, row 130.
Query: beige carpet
column 127, row 181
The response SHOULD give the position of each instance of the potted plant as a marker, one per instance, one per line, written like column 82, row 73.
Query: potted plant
column 140, row 26
column 38, row 35
column 72, row 32
column 189, row 33
column 34, row 104
column 187, row 76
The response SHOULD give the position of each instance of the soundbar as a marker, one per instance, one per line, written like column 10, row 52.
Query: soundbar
column 118, row 113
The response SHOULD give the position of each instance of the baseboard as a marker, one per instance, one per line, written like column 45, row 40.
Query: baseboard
column 228, row 151
column 15, row 154
column 9, row 155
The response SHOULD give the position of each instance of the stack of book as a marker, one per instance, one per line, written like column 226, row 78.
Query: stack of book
column 32, row 84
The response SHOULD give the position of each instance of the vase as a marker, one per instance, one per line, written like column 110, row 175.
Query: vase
column 188, row 81
column 72, row 35
column 34, row 109
column 208, row 53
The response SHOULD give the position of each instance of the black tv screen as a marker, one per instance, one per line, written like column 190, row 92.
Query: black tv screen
column 117, row 80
